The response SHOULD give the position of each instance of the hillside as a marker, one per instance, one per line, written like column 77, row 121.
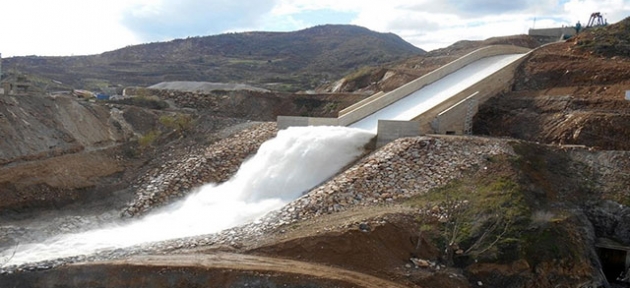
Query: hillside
column 393, row 75
column 568, row 93
column 299, row 60
column 533, row 205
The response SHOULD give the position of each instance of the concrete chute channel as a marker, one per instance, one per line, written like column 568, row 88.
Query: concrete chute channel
column 476, row 76
column 449, row 95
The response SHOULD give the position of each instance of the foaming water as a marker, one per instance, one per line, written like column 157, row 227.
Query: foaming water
column 283, row 169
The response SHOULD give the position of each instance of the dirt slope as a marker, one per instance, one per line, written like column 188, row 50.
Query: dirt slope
column 567, row 93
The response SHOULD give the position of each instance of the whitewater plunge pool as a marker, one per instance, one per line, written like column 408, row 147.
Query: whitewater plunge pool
column 285, row 167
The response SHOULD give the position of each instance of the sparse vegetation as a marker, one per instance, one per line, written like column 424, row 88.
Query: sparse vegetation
column 607, row 41
column 179, row 123
column 360, row 74
column 148, row 139
column 472, row 219
column 301, row 60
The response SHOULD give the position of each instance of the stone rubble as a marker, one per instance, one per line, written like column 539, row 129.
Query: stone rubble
column 176, row 178
column 404, row 168
column 401, row 169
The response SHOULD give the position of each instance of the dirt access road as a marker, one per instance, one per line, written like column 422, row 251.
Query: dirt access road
column 202, row 270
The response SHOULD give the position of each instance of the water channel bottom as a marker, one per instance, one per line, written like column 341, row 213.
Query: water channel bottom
column 285, row 167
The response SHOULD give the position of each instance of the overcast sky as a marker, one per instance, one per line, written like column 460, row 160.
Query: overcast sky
column 80, row 27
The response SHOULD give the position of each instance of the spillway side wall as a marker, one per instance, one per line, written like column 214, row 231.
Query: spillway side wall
column 454, row 119
column 399, row 93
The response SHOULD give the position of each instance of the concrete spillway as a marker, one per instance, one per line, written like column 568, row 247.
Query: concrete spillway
column 284, row 168
column 435, row 93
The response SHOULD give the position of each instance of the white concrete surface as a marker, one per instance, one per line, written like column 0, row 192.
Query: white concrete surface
column 422, row 100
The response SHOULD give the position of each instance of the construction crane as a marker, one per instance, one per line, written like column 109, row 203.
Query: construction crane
column 596, row 20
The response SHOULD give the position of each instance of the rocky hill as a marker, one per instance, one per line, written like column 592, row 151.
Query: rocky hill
column 299, row 60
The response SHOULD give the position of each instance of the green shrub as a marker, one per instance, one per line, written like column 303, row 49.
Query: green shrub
column 148, row 139
column 180, row 123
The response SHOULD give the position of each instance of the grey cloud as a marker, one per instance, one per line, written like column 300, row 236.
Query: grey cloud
column 412, row 23
column 182, row 18
column 483, row 8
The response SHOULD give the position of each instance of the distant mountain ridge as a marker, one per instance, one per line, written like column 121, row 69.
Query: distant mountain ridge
column 297, row 60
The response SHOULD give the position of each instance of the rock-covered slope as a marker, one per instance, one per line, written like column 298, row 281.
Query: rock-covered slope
column 216, row 163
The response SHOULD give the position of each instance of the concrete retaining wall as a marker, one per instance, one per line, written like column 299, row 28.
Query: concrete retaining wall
column 553, row 32
column 458, row 118
column 360, row 103
column 494, row 84
column 288, row 121
column 390, row 130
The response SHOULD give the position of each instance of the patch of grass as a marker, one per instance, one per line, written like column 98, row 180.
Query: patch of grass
column 148, row 139
column 550, row 243
column 180, row 123
column 608, row 41
column 247, row 61
column 478, row 217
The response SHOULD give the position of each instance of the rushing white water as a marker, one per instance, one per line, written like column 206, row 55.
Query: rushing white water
column 283, row 168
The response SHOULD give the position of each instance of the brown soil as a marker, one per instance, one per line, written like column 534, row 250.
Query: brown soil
column 564, row 96
column 199, row 270
column 58, row 181
column 384, row 249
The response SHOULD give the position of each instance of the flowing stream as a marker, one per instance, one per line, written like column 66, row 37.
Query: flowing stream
column 284, row 168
